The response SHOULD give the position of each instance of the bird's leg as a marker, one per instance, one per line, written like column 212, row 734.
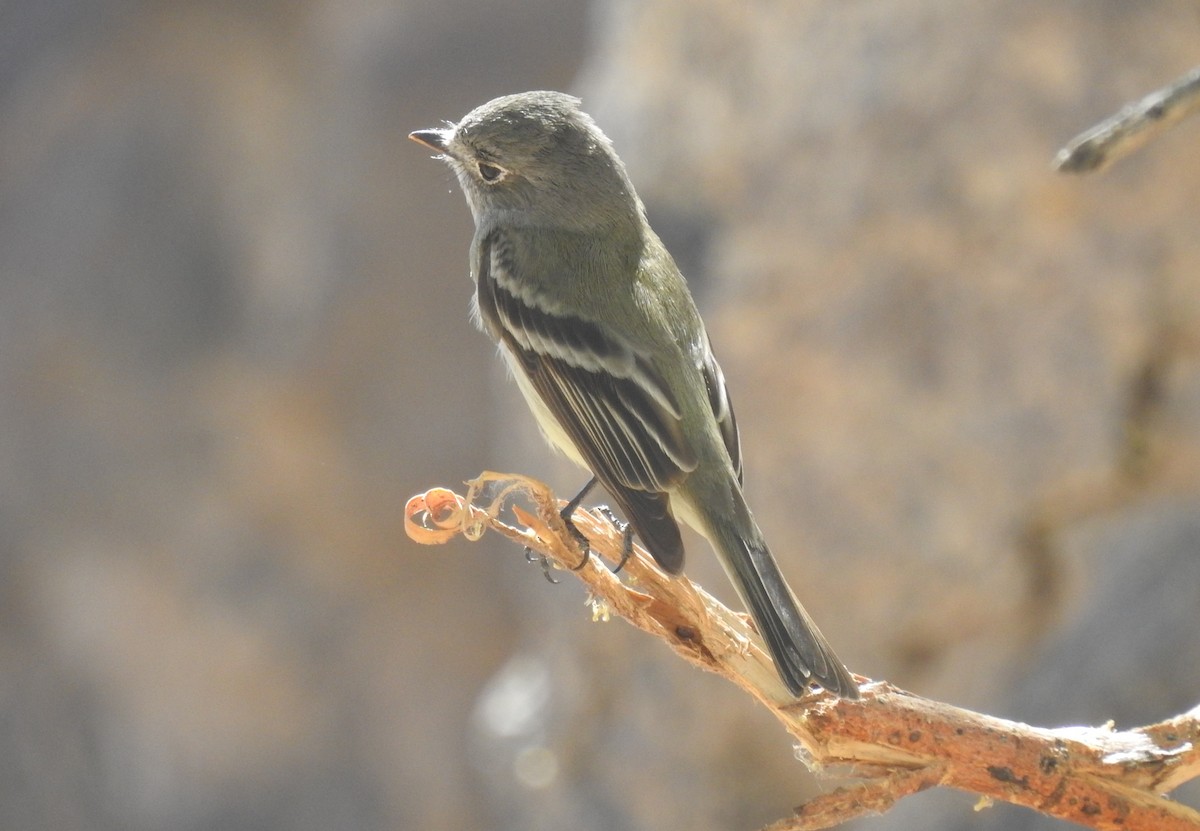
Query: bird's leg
column 566, row 513
column 626, row 530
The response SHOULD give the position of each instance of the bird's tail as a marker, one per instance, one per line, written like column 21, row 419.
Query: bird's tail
column 801, row 653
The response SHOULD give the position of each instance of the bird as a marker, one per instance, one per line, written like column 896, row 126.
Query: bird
column 596, row 323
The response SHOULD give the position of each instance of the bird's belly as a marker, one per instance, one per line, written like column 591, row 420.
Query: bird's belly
column 552, row 431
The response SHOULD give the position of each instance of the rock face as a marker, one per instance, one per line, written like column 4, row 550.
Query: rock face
column 233, row 340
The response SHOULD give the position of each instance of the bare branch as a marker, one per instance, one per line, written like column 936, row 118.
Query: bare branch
column 1133, row 126
column 894, row 742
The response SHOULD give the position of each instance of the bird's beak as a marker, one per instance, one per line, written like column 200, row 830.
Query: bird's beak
column 433, row 139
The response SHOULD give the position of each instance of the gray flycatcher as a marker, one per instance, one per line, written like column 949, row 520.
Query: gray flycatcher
column 602, row 335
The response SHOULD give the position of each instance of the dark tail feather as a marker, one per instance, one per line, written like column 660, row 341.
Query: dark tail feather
column 802, row 655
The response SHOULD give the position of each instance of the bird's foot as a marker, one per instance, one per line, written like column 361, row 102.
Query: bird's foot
column 626, row 530
column 532, row 556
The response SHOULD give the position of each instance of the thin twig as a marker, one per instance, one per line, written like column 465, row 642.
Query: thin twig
column 895, row 743
column 1133, row 126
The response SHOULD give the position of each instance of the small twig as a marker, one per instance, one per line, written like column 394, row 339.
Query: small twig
column 1133, row 126
column 894, row 742
column 869, row 798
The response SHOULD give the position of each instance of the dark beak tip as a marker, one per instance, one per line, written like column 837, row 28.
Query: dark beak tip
column 433, row 139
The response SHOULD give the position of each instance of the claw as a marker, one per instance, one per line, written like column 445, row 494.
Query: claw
column 531, row 557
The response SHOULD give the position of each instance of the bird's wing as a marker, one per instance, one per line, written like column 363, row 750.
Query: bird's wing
column 616, row 408
column 722, row 407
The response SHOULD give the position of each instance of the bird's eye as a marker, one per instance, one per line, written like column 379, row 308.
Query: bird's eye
column 489, row 172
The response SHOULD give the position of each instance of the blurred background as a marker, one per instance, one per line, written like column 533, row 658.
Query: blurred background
column 234, row 340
